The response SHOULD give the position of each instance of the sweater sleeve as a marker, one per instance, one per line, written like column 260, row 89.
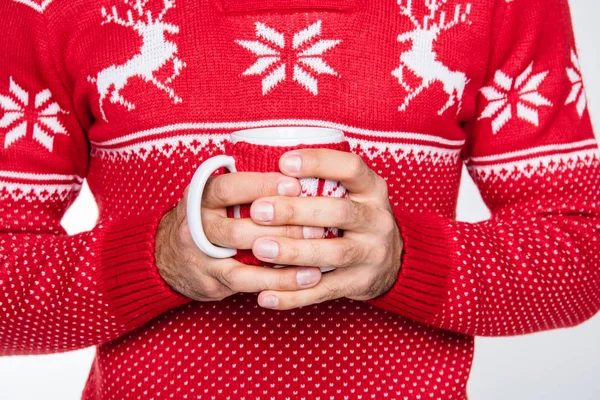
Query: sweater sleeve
column 59, row 292
column 535, row 264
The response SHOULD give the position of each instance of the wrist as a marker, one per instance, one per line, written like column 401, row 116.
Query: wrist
column 165, row 252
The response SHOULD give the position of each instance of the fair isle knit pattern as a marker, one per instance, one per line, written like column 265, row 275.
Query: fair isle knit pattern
column 133, row 95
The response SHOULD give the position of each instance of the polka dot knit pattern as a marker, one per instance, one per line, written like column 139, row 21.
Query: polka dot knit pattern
column 133, row 96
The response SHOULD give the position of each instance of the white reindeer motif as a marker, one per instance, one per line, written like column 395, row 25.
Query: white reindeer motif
column 422, row 60
column 155, row 52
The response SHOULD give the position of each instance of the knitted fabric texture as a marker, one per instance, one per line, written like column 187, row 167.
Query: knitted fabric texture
column 132, row 96
column 264, row 158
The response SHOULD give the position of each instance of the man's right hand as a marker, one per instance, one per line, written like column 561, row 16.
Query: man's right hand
column 194, row 274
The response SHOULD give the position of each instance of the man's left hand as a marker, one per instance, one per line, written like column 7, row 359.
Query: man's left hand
column 366, row 258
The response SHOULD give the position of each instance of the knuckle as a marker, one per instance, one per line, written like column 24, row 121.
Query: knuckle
column 207, row 195
column 235, row 235
column 330, row 292
column 277, row 280
column 316, row 214
column 292, row 254
column 379, row 255
column 284, row 281
column 315, row 254
column 355, row 254
column 218, row 191
column 388, row 226
column 348, row 255
column 356, row 167
column 375, row 286
column 201, row 289
column 183, row 237
column 356, row 288
column 210, row 230
column 214, row 291
column 366, row 289
column 262, row 284
column 364, row 214
column 312, row 159
column 292, row 231
column 289, row 212
column 321, row 297
column 216, row 231
column 347, row 212
column 265, row 186
column 340, row 256
column 227, row 277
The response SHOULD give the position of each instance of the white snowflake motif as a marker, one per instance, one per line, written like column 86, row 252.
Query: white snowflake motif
column 577, row 91
column 20, row 116
column 37, row 5
column 507, row 91
column 306, row 51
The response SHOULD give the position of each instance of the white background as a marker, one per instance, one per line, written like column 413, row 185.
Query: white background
column 558, row 365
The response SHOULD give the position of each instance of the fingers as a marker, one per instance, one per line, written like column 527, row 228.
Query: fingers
column 244, row 278
column 241, row 233
column 333, row 285
column 347, row 168
column 325, row 212
column 244, row 187
column 190, row 279
column 336, row 252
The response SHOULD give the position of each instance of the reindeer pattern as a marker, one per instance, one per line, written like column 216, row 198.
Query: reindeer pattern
column 422, row 60
column 155, row 52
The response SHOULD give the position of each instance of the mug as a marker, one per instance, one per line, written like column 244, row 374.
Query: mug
column 259, row 150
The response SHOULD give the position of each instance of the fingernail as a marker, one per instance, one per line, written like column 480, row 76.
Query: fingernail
column 307, row 276
column 262, row 212
column 286, row 188
column 292, row 163
column 270, row 302
column 313, row 232
column 267, row 249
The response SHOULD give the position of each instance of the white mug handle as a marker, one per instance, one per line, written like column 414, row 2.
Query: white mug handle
column 194, row 205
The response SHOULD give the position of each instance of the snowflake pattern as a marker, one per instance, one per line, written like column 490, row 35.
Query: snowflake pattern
column 306, row 52
column 577, row 91
column 37, row 5
column 508, row 92
column 20, row 116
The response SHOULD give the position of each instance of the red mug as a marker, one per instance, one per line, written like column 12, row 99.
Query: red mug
column 259, row 150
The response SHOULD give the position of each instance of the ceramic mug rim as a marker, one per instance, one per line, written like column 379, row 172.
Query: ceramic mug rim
column 288, row 135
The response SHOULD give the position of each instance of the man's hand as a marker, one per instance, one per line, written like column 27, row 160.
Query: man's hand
column 367, row 257
column 192, row 273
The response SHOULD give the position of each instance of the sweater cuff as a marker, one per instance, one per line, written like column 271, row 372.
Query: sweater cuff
column 129, row 277
column 420, row 289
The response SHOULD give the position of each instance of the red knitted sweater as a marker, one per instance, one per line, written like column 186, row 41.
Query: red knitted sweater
column 133, row 95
